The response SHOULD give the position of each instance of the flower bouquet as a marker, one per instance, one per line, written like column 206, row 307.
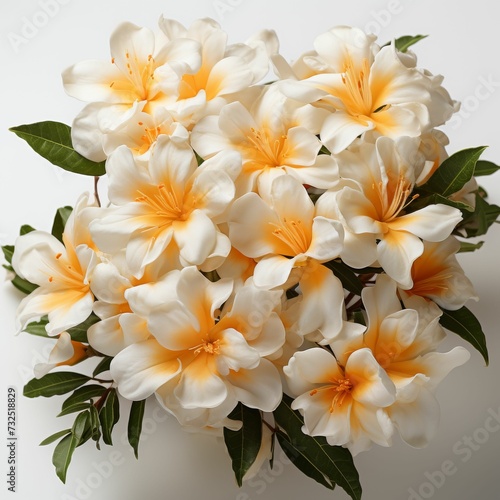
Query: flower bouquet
column 274, row 262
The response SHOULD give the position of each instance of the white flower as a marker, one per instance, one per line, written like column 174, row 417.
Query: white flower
column 165, row 208
column 65, row 352
column 374, row 208
column 291, row 241
column 367, row 88
column 144, row 73
column 404, row 342
column 120, row 326
column 438, row 276
column 345, row 403
column 61, row 271
column 198, row 364
column 224, row 69
column 275, row 135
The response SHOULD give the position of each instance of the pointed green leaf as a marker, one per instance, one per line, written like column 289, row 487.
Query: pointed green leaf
column 484, row 167
column 79, row 333
column 52, row 140
column 302, row 461
column 82, row 394
column 62, row 216
column 25, row 229
column 465, row 246
column 466, row 325
column 313, row 455
column 103, row 366
column 454, row 172
column 109, row 415
column 76, row 407
column 23, row 285
column 346, row 275
column 244, row 445
column 478, row 223
column 37, row 328
column 95, row 425
column 54, row 437
column 63, row 452
column 134, row 427
column 8, row 251
column 403, row 43
column 54, row 384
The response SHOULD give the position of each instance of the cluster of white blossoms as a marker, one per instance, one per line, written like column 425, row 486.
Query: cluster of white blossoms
column 230, row 202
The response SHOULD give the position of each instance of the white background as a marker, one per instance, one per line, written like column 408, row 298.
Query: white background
column 463, row 45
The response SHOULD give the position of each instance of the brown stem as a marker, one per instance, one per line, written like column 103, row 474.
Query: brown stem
column 96, row 192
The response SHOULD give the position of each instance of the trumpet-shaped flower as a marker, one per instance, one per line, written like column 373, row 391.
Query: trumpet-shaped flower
column 120, row 326
column 61, row 270
column 291, row 241
column 166, row 207
column 224, row 69
column 200, row 361
column 403, row 341
column 65, row 352
column 367, row 88
column 438, row 276
column 345, row 403
column 275, row 135
column 375, row 213
column 144, row 73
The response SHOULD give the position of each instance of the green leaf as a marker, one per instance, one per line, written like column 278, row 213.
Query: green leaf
column 8, row 251
column 82, row 394
column 134, row 427
column 52, row 140
column 465, row 324
column 359, row 317
column 65, row 448
column 403, row 43
column 95, row 425
column 79, row 333
column 244, row 445
column 103, row 366
column 302, row 461
column 109, row 415
column 478, row 223
column 73, row 409
column 60, row 220
column 54, row 384
column 484, row 167
column 465, row 246
column 454, row 172
column 346, row 275
column 54, row 437
column 25, row 229
column 37, row 328
column 317, row 459
column 23, row 285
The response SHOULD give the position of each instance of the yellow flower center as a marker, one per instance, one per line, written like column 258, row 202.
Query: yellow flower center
column 265, row 149
column 358, row 97
column 339, row 389
column 294, row 235
column 138, row 80
column 165, row 204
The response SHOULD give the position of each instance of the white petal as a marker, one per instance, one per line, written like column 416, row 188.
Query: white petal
column 258, row 388
column 140, row 369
